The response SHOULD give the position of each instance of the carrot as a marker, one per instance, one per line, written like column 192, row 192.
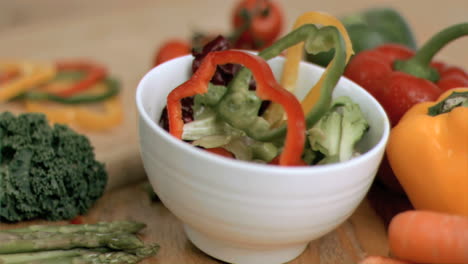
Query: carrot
column 381, row 260
column 429, row 237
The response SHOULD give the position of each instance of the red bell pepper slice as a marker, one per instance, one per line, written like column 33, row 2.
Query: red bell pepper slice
column 267, row 89
column 94, row 73
column 8, row 75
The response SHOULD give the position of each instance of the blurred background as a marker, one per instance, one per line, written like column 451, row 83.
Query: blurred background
column 125, row 33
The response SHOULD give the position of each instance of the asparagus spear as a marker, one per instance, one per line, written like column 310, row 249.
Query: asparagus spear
column 102, row 227
column 22, row 242
column 80, row 256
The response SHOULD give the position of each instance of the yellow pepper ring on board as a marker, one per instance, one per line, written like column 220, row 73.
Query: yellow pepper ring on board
column 30, row 74
column 94, row 120
column 429, row 156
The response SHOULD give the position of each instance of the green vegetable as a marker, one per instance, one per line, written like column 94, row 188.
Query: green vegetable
column 212, row 97
column 103, row 227
column 106, row 242
column 42, row 241
column 228, row 117
column 371, row 28
column 239, row 107
column 79, row 256
column 208, row 131
column 337, row 132
column 112, row 89
column 46, row 172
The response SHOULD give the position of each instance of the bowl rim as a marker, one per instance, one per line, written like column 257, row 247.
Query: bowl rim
column 247, row 165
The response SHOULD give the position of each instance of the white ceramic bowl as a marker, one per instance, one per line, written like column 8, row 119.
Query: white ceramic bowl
column 247, row 213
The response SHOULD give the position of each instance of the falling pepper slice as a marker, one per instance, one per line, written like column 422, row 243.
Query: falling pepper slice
column 29, row 74
column 294, row 56
column 267, row 89
column 315, row 40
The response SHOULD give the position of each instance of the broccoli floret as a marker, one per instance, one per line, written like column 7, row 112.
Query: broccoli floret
column 337, row 132
column 46, row 172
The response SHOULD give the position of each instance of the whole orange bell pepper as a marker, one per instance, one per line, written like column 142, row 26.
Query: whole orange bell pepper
column 428, row 151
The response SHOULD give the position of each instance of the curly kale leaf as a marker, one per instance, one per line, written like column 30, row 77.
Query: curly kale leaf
column 46, row 172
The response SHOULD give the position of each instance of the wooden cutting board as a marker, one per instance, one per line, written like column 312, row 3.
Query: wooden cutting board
column 362, row 234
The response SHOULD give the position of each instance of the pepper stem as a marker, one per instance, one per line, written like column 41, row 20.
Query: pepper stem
column 455, row 99
column 419, row 64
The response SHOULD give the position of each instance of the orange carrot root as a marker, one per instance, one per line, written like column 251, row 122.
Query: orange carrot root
column 429, row 237
column 381, row 260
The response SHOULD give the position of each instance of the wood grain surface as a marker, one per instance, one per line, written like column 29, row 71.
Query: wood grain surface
column 124, row 35
column 361, row 235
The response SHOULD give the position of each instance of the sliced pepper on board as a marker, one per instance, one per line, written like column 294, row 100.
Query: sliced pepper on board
column 29, row 74
column 110, row 116
column 81, row 115
column 428, row 152
column 94, row 73
column 267, row 89
column 98, row 92
column 8, row 74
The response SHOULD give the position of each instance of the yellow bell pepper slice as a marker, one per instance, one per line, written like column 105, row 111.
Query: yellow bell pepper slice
column 55, row 113
column 83, row 117
column 110, row 117
column 30, row 75
column 294, row 57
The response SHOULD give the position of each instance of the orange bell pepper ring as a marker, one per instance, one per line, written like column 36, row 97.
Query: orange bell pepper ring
column 267, row 89
column 8, row 75
column 81, row 116
column 22, row 76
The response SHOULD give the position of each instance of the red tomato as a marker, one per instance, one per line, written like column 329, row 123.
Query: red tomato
column 259, row 22
column 171, row 49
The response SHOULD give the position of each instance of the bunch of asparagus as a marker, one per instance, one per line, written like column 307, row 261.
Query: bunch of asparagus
column 106, row 242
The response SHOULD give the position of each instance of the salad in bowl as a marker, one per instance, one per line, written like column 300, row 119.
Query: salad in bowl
column 300, row 159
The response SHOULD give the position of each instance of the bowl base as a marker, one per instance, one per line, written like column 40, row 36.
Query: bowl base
column 240, row 255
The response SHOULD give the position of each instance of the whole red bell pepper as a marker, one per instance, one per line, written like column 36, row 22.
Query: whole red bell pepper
column 400, row 78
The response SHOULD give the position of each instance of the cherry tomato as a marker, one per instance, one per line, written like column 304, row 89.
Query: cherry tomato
column 258, row 23
column 171, row 49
